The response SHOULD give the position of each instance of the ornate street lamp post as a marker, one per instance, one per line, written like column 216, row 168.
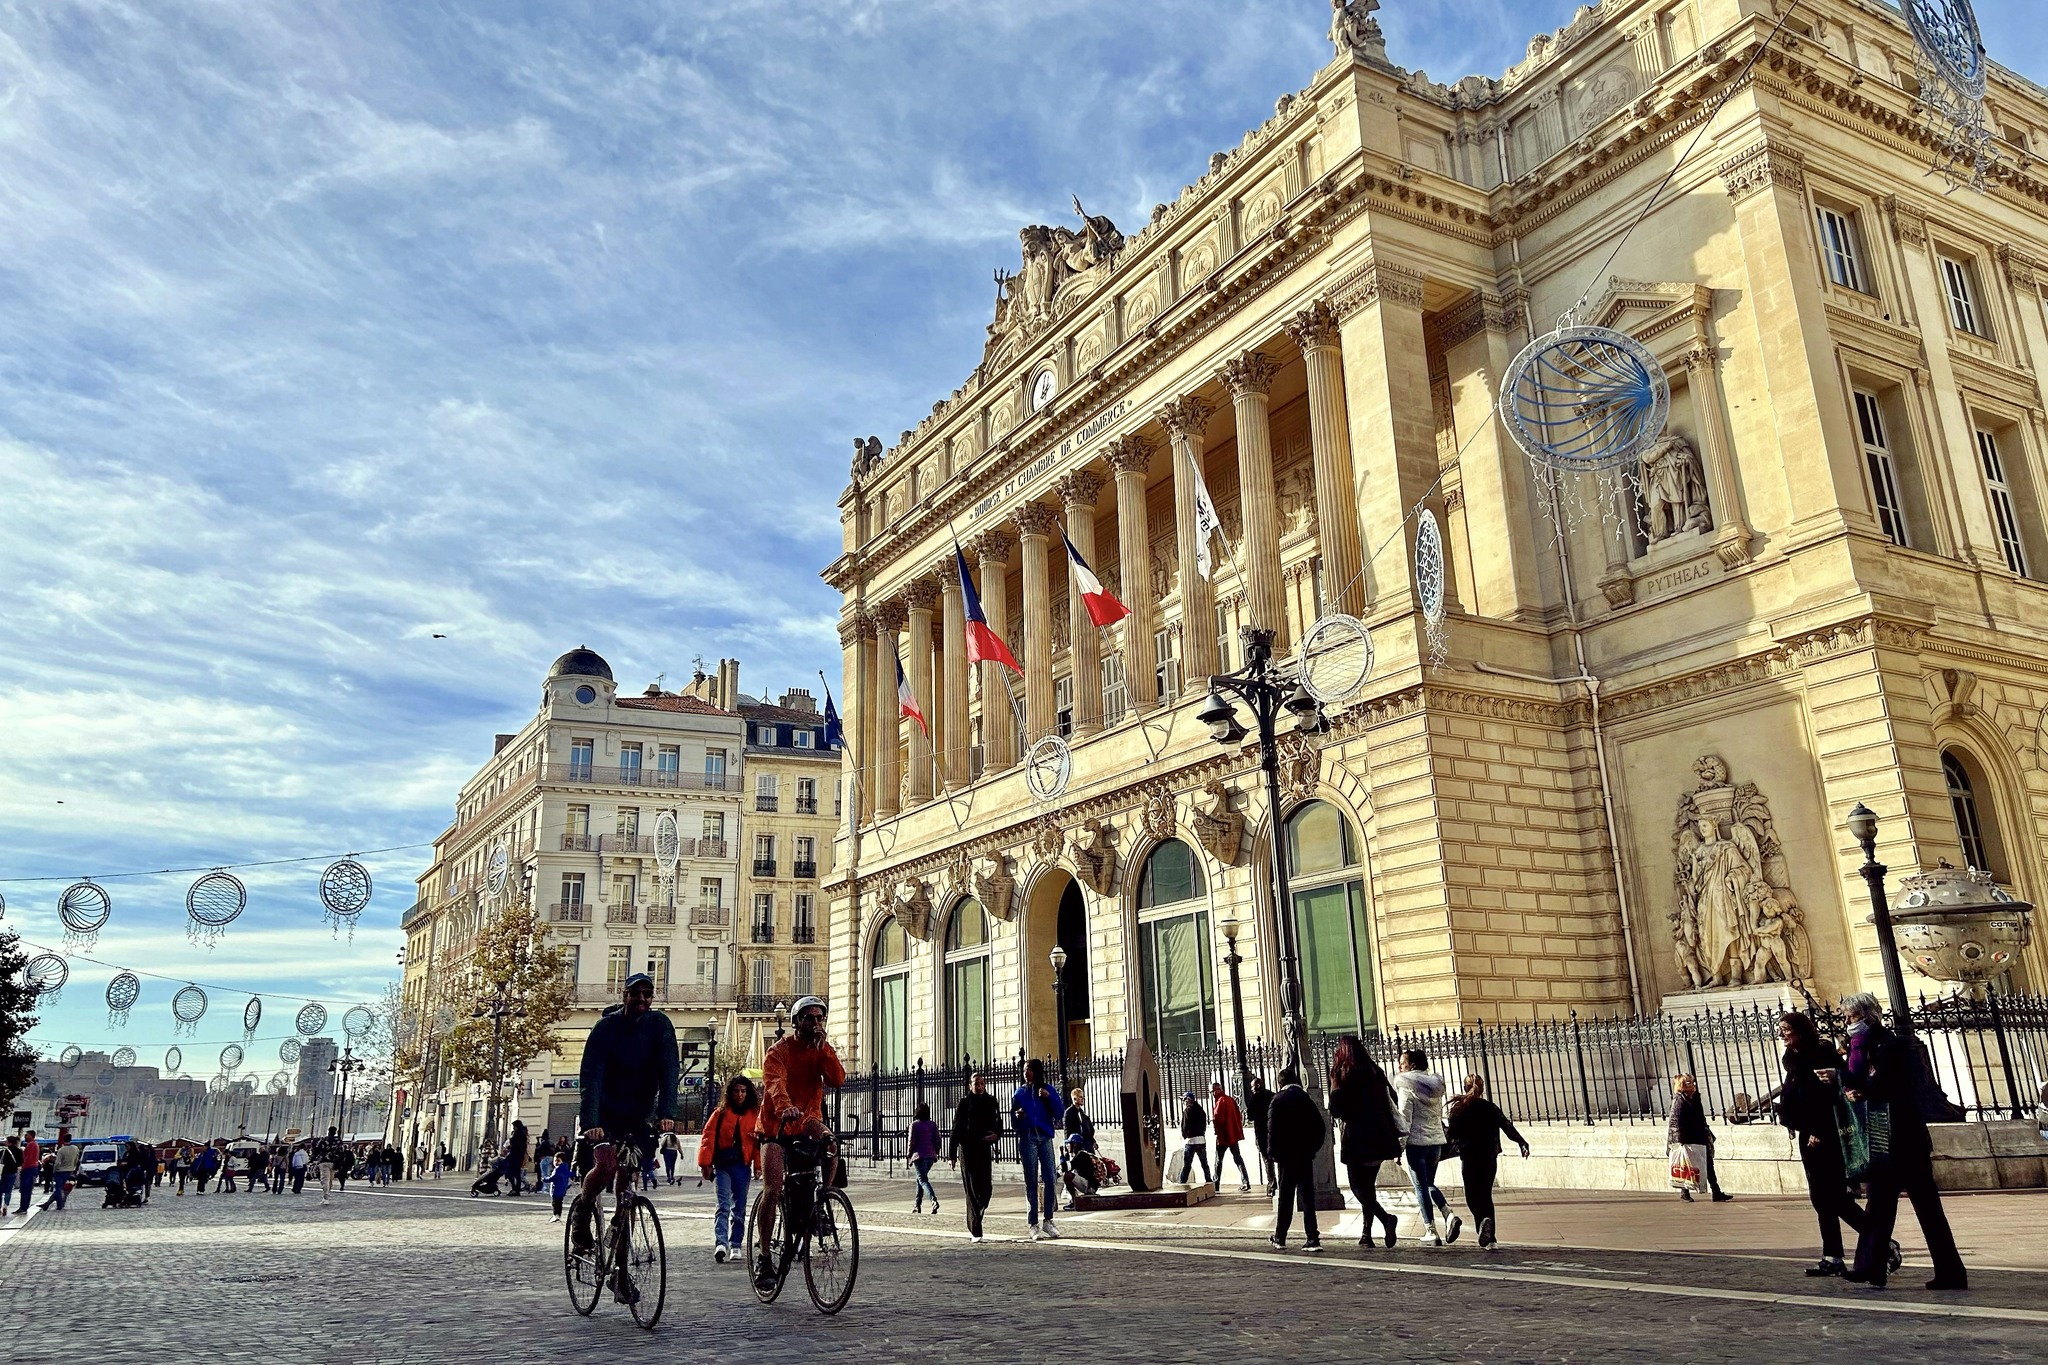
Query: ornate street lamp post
column 500, row 1008
column 1232, row 961
column 1059, row 1009
column 342, row 1067
column 1863, row 828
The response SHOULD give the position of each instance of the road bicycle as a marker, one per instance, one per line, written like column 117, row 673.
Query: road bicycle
column 816, row 1226
column 625, row 1252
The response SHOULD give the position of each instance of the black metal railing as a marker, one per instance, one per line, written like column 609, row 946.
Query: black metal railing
column 1990, row 1057
column 803, row 870
column 804, row 933
column 807, row 805
column 635, row 777
column 763, row 933
column 768, row 803
column 764, row 867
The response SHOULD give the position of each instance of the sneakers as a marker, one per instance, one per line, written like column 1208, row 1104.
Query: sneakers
column 1036, row 1235
column 935, row 1208
column 1457, row 1226
column 1430, row 1239
column 1686, row 1195
column 976, row 1237
column 721, row 1255
column 1314, row 1248
column 1486, row 1237
column 1827, row 1268
column 1049, row 1230
column 764, row 1276
column 1276, row 1243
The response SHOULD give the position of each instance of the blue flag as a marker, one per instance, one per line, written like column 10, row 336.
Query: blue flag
column 835, row 735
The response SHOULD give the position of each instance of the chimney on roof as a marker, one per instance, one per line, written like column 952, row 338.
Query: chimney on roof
column 800, row 699
column 729, row 684
column 501, row 741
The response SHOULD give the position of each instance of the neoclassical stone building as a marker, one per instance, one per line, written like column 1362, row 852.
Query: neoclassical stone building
column 1627, row 782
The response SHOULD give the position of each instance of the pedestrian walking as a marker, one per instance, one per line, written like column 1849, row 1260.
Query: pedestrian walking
column 560, row 1176
column 300, row 1159
column 257, row 1174
column 921, row 1141
column 728, row 1155
column 515, row 1157
column 1035, row 1112
column 327, row 1155
column 1363, row 1098
column 1812, row 1105
column 1296, row 1133
column 1688, row 1128
column 1258, row 1106
column 181, row 1165
column 1888, row 1076
column 1422, row 1113
column 1474, row 1124
column 1194, row 1137
column 68, row 1157
column 1229, row 1124
column 671, row 1150
column 10, row 1171
column 977, row 1126
column 204, row 1163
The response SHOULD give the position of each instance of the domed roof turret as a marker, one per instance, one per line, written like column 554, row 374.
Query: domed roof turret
column 581, row 662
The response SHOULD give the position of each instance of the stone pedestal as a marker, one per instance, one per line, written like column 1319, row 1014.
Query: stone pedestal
column 1776, row 997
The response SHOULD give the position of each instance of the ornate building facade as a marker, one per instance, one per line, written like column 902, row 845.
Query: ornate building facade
column 1626, row 784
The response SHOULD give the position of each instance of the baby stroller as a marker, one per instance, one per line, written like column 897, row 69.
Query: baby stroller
column 128, row 1182
column 494, row 1181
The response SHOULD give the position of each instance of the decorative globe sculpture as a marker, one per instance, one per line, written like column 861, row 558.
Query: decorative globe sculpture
column 1960, row 928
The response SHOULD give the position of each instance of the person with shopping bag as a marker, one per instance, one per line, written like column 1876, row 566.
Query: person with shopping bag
column 1692, row 1142
column 1832, row 1147
column 1888, row 1075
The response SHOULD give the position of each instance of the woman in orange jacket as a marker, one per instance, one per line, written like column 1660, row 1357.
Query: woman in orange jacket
column 729, row 1153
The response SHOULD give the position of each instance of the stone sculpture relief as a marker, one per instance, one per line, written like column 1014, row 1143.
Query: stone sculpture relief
column 1052, row 257
column 996, row 888
column 1219, row 828
column 1301, row 767
column 914, row 909
column 1094, row 856
column 1734, row 918
column 1158, row 813
column 866, row 454
column 1674, row 490
column 1353, row 30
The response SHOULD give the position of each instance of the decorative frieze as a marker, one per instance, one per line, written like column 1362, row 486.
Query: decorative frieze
column 1763, row 166
column 1375, row 282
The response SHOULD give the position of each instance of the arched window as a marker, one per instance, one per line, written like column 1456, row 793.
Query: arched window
column 1324, row 875
column 1176, row 976
column 889, row 994
column 967, row 947
column 763, row 979
column 1977, row 833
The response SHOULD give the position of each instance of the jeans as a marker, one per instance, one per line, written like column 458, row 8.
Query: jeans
column 63, row 1188
column 298, row 1179
column 1036, row 1151
column 6, row 1191
column 1422, row 1164
column 668, row 1162
column 1230, row 1150
column 1191, row 1153
column 923, row 1166
column 729, row 1225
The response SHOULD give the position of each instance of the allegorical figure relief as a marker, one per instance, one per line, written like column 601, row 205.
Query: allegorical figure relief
column 1052, row 256
column 1353, row 29
column 1734, row 918
column 1674, row 490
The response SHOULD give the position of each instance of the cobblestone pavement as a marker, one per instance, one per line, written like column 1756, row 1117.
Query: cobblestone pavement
column 423, row 1273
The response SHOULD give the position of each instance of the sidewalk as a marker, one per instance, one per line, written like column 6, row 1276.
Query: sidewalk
column 1994, row 1230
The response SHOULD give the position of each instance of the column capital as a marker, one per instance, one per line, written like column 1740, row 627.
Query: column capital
column 1375, row 282
column 1130, row 454
column 1477, row 313
column 1185, row 416
column 887, row 616
column 995, row 546
column 1250, row 373
column 922, row 592
column 1762, row 166
column 947, row 572
column 1036, row 519
column 853, row 628
column 1313, row 326
column 1079, row 488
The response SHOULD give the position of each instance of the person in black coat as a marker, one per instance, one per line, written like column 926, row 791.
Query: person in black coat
column 1476, row 1124
column 1258, row 1108
column 977, row 1125
column 1806, row 1105
column 1296, row 1133
column 1688, row 1126
column 1886, row 1072
column 1363, row 1098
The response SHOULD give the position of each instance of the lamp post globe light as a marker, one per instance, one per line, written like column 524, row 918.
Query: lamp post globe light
column 1058, row 957
column 1863, row 829
column 341, row 1068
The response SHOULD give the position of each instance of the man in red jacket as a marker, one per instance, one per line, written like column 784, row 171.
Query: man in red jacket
column 31, row 1169
column 1228, row 1121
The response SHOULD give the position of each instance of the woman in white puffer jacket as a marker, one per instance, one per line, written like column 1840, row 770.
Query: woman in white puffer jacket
column 1422, row 1110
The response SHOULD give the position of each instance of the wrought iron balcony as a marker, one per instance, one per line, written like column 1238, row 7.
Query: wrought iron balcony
column 807, row 805
column 710, row 917
column 768, row 803
column 690, row 996
column 661, row 914
column 575, row 912
column 764, row 933
column 714, row 848
column 582, row 843
column 590, row 774
column 622, row 914
column 800, row 869
column 804, row 933
column 764, row 867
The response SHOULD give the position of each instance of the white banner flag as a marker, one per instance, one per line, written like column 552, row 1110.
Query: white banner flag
column 1207, row 523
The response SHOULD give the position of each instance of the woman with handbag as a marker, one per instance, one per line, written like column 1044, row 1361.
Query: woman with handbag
column 1887, row 1074
column 728, row 1154
column 1362, row 1098
column 1688, row 1129
column 1830, row 1142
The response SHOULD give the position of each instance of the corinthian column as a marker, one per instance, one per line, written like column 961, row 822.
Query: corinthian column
column 1035, row 524
column 1131, row 458
column 998, row 725
column 1185, row 420
column 1250, row 381
column 888, row 618
column 1314, row 329
column 1079, row 490
column 953, row 689
column 921, row 596
column 857, row 679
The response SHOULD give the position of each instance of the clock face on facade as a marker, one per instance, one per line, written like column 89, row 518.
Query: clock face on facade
column 1042, row 389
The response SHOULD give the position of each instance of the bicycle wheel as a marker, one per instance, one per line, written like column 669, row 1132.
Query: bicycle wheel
column 645, row 1267
column 832, row 1261
column 584, row 1270
column 755, row 1252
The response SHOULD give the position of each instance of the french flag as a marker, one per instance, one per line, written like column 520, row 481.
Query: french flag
column 983, row 644
column 1103, row 607
column 906, row 700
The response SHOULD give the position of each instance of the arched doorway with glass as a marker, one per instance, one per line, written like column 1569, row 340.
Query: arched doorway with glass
column 965, row 982
column 1176, row 971
column 1326, row 876
column 889, row 999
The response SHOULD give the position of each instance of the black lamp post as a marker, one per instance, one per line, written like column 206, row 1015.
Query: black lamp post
column 342, row 1067
column 1059, row 1008
column 1863, row 828
column 1232, row 961
column 500, row 1008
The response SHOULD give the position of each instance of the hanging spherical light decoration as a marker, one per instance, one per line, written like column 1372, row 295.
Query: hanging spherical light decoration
column 1584, row 398
column 344, row 892
column 188, row 1007
column 252, row 1015
column 356, row 1023
column 215, row 901
column 281, row 1083
column 174, row 1058
column 124, row 1056
column 106, row 1077
column 230, row 1057
column 122, row 993
column 47, row 973
column 84, row 908
column 288, row 1051
column 70, row 1057
column 312, row 1019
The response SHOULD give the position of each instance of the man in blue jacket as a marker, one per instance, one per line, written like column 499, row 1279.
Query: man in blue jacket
column 1035, row 1112
column 630, row 1068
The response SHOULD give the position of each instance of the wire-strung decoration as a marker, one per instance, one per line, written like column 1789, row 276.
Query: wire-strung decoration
column 47, row 973
column 357, row 1021
column 230, row 1057
column 1948, row 54
column 124, row 1056
column 70, row 1057
column 1584, row 398
column 218, row 1085
column 288, row 1051
column 174, row 1058
column 668, row 846
column 214, row 902
column 345, row 892
column 1429, row 586
column 497, row 864
column 280, row 1083
column 444, row 1018
column 312, row 1019
column 106, row 1077
column 122, row 993
column 3, row 907
column 252, row 1015
column 84, row 908
column 1048, row 767
column 188, row 1007
column 1336, row 658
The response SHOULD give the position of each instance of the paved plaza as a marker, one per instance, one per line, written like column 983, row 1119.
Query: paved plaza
column 424, row 1273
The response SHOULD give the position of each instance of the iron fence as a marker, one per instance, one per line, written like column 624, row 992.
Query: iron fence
column 1990, row 1056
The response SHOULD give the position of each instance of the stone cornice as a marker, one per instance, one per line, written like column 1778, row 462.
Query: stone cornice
column 1373, row 282
column 1477, row 313
column 1769, row 163
column 1786, row 659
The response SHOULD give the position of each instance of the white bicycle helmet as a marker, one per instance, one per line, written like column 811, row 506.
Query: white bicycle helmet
column 800, row 1006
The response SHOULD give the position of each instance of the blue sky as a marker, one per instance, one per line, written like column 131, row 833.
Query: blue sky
column 327, row 327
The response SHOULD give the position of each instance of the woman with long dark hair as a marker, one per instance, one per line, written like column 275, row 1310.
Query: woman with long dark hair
column 1363, row 1099
column 729, row 1153
column 1476, row 1124
column 1807, row 1104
